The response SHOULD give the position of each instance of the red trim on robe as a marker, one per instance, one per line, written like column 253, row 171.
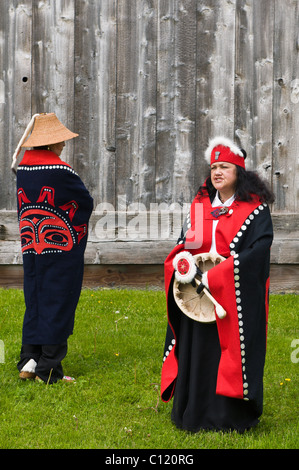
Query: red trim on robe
column 41, row 157
column 222, row 287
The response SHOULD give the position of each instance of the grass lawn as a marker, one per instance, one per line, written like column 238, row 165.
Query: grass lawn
column 115, row 355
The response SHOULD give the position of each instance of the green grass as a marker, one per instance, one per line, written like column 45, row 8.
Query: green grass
column 115, row 355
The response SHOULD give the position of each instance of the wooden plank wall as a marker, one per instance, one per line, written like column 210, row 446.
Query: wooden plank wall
column 146, row 83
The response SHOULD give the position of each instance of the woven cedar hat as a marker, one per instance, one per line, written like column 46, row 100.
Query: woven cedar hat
column 47, row 130
column 222, row 149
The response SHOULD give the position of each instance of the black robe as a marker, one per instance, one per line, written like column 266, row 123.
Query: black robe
column 54, row 208
column 215, row 371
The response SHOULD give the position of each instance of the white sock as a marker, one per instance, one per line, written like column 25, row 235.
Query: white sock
column 29, row 366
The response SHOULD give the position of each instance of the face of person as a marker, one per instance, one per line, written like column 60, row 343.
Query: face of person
column 57, row 148
column 224, row 177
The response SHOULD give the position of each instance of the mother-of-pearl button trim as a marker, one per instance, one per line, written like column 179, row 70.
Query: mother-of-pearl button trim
column 238, row 293
column 240, row 321
column 47, row 167
column 170, row 346
column 244, row 227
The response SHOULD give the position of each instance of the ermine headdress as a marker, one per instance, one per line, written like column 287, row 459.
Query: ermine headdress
column 223, row 149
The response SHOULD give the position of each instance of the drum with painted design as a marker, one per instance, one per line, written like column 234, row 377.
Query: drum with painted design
column 198, row 307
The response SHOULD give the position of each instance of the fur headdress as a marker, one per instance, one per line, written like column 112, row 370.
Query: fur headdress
column 223, row 149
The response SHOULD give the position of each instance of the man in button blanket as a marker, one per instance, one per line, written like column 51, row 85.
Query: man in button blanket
column 54, row 208
column 214, row 371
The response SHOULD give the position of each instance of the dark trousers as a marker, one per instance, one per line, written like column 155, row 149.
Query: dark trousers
column 48, row 358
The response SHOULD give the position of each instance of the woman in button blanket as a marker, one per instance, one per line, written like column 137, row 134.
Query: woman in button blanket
column 214, row 372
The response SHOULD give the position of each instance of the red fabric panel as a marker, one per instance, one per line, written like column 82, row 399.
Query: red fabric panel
column 221, row 283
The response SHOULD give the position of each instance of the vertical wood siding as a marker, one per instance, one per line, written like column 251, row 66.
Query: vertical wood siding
column 146, row 83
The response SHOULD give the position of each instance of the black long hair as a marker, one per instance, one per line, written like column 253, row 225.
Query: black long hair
column 248, row 184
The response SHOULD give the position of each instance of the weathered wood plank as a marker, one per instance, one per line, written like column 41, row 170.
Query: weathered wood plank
column 285, row 106
column 283, row 278
column 126, row 120
column 95, row 97
column 222, row 69
column 136, row 100
column 254, row 83
column 205, row 44
column 215, row 76
column 184, row 101
column 16, row 27
column 145, row 237
column 6, row 71
column 165, row 137
column 144, row 147
column 176, row 111
column 284, row 250
column 53, row 63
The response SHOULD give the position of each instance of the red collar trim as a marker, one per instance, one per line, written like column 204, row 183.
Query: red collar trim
column 41, row 157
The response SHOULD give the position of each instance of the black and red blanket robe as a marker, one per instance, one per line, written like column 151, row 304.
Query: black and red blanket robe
column 54, row 208
column 214, row 371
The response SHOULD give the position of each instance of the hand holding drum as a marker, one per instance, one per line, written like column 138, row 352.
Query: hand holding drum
column 186, row 270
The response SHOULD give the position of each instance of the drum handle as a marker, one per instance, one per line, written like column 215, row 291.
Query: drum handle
column 219, row 309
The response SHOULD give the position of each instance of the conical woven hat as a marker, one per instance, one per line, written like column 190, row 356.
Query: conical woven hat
column 48, row 130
